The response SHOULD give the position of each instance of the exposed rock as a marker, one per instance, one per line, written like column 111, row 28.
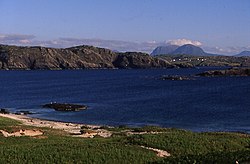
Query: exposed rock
column 228, row 72
column 65, row 107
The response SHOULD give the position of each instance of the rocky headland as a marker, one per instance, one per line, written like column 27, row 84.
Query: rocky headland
column 79, row 57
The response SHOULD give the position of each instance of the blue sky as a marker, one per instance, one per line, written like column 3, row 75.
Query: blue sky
column 219, row 25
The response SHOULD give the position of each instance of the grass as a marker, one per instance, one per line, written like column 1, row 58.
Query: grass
column 184, row 147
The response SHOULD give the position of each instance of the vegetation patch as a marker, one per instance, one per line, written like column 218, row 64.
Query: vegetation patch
column 55, row 146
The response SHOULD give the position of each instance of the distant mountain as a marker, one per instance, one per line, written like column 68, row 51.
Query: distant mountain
column 243, row 53
column 187, row 49
column 163, row 50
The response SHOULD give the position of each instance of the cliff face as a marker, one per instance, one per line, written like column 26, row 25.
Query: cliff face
column 80, row 57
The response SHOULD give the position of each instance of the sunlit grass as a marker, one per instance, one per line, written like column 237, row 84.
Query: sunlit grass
column 184, row 147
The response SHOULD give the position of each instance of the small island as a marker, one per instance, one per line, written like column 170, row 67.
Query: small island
column 65, row 107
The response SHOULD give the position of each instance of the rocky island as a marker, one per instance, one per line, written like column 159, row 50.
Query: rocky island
column 65, row 107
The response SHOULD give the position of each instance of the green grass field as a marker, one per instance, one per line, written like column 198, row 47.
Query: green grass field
column 184, row 146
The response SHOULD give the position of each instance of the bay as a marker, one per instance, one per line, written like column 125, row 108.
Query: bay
column 132, row 97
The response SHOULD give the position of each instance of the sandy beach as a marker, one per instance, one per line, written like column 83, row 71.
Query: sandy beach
column 71, row 128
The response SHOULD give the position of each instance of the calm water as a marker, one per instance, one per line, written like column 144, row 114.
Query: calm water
column 132, row 97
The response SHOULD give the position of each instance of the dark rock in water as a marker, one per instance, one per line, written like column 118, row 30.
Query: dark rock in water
column 23, row 112
column 228, row 72
column 175, row 77
column 65, row 107
column 4, row 111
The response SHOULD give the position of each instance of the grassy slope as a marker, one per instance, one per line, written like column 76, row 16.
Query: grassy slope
column 184, row 146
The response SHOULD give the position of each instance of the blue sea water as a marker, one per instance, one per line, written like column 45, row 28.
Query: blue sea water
column 132, row 97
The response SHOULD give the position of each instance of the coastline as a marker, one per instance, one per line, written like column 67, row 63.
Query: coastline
column 140, row 139
column 71, row 128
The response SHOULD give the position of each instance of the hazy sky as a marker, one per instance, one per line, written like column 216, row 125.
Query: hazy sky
column 219, row 25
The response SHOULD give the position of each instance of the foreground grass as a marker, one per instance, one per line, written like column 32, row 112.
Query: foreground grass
column 184, row 147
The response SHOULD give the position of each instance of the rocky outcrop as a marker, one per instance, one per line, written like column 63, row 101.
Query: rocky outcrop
column 80, row 57
column 228, row 72
column 65, row 107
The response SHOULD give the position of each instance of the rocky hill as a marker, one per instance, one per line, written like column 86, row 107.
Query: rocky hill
column 80, row 57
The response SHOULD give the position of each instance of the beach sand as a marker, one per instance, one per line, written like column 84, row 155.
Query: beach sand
column 71, row 128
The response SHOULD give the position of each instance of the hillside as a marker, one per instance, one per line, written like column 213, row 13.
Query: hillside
column 80, row 57
column 89, row 57
column 184, row 61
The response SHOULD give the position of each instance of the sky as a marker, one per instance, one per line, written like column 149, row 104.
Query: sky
column 218, row 26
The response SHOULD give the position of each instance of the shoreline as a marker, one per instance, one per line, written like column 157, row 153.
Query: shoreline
column 72, row 128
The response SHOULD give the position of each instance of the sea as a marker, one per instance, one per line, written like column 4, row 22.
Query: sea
column 132, row 97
